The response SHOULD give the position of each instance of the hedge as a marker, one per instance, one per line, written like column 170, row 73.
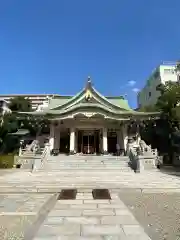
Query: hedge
column 6, row 161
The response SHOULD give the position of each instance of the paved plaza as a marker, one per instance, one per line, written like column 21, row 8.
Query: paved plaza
column 19, row 211
column 30, row 209
column 42, row 216
column 148, row 181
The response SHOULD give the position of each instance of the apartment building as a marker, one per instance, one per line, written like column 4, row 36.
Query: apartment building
column 36, row 99
column 163, row 73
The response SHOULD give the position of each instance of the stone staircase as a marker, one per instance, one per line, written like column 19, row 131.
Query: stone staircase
column 86, row 163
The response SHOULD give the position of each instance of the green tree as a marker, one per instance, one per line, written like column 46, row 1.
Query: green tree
column 177, row 69
column 35, row 124
column 160, row 133
column 169, row 100
column 20, row 104
column 8, row 125
column 10, row 122
column 149, row 108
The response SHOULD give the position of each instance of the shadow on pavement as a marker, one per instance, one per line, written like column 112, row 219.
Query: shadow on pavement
column 170, row 170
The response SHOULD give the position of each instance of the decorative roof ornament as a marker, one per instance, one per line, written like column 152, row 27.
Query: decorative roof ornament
column 88, row 94
column 89, row 83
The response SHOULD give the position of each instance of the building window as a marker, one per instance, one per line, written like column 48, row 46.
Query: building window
column 169, row 71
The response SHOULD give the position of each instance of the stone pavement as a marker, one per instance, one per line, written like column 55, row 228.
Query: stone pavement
column 18, row 212
column 42, row 216
column 29, row 208
column 86, row 218
column 83, row 174
column 152, row 181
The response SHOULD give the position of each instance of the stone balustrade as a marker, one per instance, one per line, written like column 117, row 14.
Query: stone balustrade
column 38, row 163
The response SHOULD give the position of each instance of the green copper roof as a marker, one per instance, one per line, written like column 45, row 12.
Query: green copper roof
column 64, row 100
column 89, row 100
column 119, row 101
column 20, row 132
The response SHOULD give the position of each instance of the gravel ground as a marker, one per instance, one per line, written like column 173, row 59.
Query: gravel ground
column 158, row 213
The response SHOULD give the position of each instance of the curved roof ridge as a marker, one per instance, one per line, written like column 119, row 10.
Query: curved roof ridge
column 106, row 99
column 71, row 99
column 92, row 105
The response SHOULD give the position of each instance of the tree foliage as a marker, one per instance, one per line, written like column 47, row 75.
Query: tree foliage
column 20, row 104
column 33, row 124
column 161, row 133
column 177, row 69
column 14, row 121
column 169, row 100
column 8, row 125
column 149, row 108
column 10, row 122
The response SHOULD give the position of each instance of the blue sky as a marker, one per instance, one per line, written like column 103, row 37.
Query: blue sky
column 51, row 46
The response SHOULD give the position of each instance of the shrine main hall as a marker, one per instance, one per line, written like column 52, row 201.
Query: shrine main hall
column 88, row 123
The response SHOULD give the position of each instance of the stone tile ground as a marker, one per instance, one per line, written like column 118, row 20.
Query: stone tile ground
column 159, row 213
column 86, row 218
column 54, row 181
column 18, row 212
column 25, row 212
column 83, row 218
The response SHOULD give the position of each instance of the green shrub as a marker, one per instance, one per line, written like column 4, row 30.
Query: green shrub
column 6, row 161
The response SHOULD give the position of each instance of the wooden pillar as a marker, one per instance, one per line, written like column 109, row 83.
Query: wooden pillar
column 72, row 140
column 105, row 143
column 52, row 133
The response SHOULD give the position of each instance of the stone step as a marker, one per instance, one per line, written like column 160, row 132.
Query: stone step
column 86, row 165
column 89, row 157
column 87, row 160
column 86, row 170
column 93, row 161
column 81, row 172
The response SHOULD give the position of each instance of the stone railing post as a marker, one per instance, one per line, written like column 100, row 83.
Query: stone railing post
column 39, row 162
column 139, row 164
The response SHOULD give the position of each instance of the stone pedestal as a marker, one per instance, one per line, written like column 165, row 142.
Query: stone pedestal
column 145, row 163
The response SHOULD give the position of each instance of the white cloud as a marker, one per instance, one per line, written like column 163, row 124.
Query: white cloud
column 136, row 90
column 131, row 83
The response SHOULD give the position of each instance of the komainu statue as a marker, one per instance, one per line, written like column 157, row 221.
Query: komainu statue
column 144, row 147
